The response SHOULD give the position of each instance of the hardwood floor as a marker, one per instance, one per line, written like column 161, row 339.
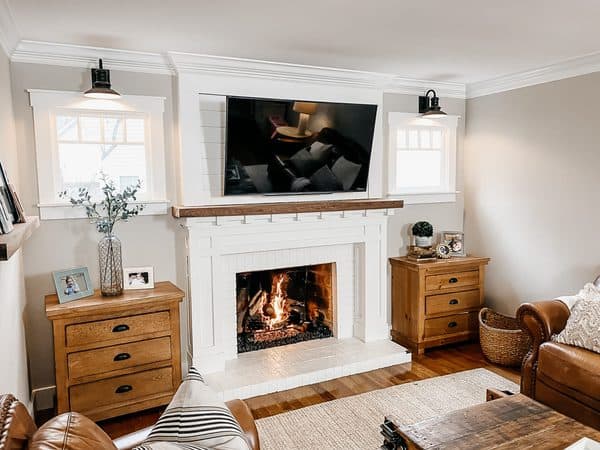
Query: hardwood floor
column 441, row 361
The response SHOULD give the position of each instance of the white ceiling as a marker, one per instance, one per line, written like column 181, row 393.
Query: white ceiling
column 460, row 41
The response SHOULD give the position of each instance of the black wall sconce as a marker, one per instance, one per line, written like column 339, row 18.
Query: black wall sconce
column 101, row 84
column 430, row 106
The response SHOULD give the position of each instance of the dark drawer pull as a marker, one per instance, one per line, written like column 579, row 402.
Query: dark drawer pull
column 120, row 328
column 122, row 357
column 454, row 301
column 452, row 324
column 453, row 280
column 123, row 389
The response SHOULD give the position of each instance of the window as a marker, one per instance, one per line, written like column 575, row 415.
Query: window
column 78, row 139
column 422, row 152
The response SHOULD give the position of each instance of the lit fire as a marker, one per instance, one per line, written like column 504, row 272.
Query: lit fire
column 275, row 309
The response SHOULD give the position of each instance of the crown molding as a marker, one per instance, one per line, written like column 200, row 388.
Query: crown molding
column 567, row 68
column 9, row 34
column 219, row 65
column 37, row 52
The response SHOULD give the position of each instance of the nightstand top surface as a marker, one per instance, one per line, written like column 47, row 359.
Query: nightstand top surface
column 457, row 260
column 98, row 304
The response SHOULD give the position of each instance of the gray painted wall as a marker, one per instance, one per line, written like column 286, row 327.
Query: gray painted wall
column 532, row 185
column 62, row 244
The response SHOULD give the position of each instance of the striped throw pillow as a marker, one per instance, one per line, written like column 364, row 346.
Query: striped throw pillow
column 196, row 419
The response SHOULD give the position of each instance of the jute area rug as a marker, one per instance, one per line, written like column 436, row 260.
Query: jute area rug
column 353, row 422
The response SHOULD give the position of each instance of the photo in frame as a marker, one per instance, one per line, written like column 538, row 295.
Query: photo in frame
column 138, row 277
column 455, row 240
column 72, row 284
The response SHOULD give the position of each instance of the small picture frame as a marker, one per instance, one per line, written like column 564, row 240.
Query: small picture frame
column 72, row 284
column 455, row 240
column 138, row 277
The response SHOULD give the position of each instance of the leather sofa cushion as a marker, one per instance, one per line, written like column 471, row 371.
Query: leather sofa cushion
column 576, row 368
column 70, row 431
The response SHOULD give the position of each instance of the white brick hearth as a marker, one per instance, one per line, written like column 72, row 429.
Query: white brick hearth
column 220, row 247
column 289, row 366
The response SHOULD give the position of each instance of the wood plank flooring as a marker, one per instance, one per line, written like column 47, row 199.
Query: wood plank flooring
column 441, row 361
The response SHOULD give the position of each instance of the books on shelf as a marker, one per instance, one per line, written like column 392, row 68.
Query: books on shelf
column 11, row 209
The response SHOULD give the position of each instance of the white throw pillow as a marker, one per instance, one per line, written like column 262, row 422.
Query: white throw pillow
column 583, row 326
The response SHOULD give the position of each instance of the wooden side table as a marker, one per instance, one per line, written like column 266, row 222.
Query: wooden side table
column 117, row 355
column 436, row 303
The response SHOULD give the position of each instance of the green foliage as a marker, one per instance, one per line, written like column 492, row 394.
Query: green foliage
column 114, row 207
column 422, row 229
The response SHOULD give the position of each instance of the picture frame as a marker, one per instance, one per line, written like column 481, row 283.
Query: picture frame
column 6, row 225
column 6, row 197
column 138, row 278
column 455, row 241
column 72, row 284
column 20, row 211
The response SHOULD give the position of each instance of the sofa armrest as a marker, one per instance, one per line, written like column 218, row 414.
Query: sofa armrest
column 132, row 440
column 540, row 320
column 244, row 417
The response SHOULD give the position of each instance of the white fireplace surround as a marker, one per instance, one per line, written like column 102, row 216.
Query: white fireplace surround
column 220, row 247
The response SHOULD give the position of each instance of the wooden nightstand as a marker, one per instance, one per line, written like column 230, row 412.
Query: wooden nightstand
column 117, row 355
column 436, row 303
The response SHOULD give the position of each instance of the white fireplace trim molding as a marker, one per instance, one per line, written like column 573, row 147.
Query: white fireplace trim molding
column 219, row 247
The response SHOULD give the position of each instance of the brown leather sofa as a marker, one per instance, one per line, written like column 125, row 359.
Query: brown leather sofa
column 564, row 377
column 73, row 431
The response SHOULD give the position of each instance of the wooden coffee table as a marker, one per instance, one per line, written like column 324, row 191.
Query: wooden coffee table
column 511, row 422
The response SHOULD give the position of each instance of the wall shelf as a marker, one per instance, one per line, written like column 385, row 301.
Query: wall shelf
column 252, row 209
column 13, row 241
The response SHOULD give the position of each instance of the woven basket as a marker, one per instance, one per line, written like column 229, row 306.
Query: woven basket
column 502, row 340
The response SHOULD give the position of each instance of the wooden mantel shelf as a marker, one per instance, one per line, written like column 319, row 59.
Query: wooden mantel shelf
column 13, row 241
column 253, row 209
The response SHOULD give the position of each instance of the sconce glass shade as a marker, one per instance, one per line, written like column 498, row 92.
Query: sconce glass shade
column 101, row 84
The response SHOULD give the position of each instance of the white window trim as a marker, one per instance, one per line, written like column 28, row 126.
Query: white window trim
column 450, row 124
column 46, row 103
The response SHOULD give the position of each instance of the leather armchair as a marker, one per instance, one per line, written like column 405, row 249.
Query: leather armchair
column 564, row 377
column 73, row 431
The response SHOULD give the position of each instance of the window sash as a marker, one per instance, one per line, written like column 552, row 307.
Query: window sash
column 419, row 140
column 145, row 192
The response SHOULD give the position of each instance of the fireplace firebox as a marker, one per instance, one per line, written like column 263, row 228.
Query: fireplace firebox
column 284, row 306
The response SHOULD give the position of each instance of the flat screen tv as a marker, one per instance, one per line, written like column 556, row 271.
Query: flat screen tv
column 297, row 147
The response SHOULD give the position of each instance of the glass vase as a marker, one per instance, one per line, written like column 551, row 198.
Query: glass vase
column 111, row 266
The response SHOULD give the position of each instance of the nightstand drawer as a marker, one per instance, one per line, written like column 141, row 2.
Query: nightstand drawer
column 451, row 280
column 440, row 326
column 123, row 327
column 453, row 302
column 118, row 390
column 108, row 359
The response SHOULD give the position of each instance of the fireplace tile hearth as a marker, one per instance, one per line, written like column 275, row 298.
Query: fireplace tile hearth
column 286, row 367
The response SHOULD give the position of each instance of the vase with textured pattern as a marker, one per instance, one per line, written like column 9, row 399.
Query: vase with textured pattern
column 111, row 266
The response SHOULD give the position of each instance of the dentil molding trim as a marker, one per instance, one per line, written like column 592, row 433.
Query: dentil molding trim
column 568, row 68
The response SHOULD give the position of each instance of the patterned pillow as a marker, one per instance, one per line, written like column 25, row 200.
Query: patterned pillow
column 583, row 326
column 196, row 420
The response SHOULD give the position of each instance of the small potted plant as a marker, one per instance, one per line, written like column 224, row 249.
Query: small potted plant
column 423, row 233
column 114, row 207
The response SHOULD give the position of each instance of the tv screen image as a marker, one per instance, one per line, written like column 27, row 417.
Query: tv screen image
column 297, row 147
